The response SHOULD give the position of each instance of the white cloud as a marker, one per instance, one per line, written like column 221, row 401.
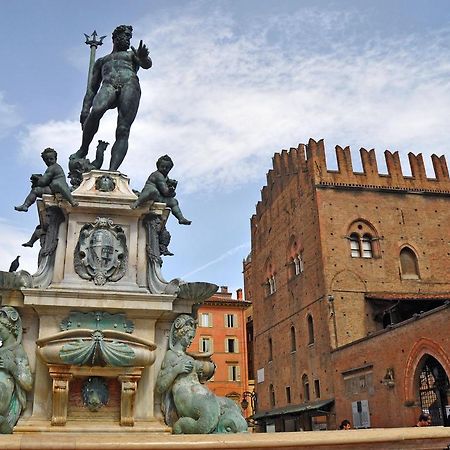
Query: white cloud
column 222, row 98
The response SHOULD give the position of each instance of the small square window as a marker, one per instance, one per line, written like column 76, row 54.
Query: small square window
column 234, row 373
column 205, row 320
column 231, row 345
column 230, row 321
column 205, row 344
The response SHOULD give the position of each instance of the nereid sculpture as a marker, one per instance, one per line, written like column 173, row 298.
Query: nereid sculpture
column 15, row 373
column 189, row 406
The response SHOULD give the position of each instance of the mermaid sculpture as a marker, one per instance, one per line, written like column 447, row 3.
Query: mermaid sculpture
column 15, row 373
column 189, row 406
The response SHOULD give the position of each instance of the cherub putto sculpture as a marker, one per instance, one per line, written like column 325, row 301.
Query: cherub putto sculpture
column 160, row 188
column 188, row 405
column 15, row 373
column 53, row 181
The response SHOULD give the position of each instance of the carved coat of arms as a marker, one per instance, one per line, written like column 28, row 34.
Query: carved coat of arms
column 101, row 253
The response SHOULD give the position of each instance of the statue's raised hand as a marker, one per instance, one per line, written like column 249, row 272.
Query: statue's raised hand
column 142, row 51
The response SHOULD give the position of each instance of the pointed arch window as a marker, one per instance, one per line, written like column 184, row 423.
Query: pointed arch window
column 272, row 396
column 305, row 383
column 299, row 265
column 270, row 350
column 293, row 340
column 295, row 259
column 310, row 329
column 433, row 385
column 270, row 282
column 363, row 240
column 409, row 263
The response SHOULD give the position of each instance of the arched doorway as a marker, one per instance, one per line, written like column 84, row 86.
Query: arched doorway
column 434, row 390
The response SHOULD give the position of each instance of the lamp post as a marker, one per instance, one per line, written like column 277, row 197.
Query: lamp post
column 253, row 401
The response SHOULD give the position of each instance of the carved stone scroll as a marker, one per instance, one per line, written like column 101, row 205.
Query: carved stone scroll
column 153, row 224
column 50, row 222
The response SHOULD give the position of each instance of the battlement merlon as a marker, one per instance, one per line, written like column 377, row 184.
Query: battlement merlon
column 311, row 158
column 309, row 161
column 370, row 177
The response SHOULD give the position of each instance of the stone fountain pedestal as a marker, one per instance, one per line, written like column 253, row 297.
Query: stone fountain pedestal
column 99, row 292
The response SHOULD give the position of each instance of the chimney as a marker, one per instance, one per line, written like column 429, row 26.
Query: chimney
column 224, row 289
column 239, row 294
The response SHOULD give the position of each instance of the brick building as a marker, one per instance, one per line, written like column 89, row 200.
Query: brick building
column 221, row 331
column 350, row 284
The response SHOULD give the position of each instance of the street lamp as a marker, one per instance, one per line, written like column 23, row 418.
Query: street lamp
column 253, row 400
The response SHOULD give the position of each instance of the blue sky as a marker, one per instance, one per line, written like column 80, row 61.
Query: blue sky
column 232, row 83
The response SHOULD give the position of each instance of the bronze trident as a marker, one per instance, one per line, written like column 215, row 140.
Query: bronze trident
column 93, row 43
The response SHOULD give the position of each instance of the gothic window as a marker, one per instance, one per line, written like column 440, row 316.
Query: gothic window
column 295, row 262
column 408, row 263
column 270, row 350
column 305, row 383
column 270, row 282
column 310, row 329
column 363, row 240
column 433, row 386
column 298, row 264
column 288, row 394
column 293, row 340
column 317, row 388
column 272, row 396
